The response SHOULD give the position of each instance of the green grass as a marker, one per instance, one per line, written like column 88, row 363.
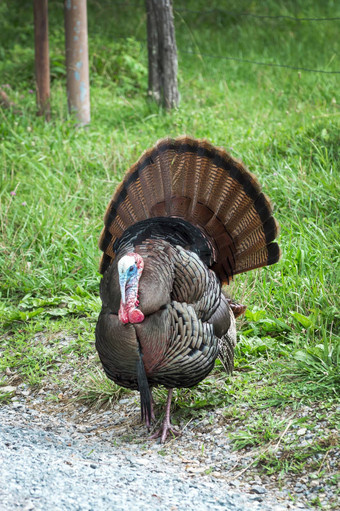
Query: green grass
column 98, row 390
column 283, row 124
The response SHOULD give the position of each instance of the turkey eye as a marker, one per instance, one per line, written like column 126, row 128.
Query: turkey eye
column 131, row 269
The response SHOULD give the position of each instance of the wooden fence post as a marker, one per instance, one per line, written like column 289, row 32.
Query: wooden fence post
column 162, row 53
column 77, row 62
column 42, row 62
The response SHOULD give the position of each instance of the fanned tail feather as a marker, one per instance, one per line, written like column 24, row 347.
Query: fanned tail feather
column 203, row 185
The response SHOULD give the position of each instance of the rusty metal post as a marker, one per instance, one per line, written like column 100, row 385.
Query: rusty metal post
column 42, row 62
column 77, row 62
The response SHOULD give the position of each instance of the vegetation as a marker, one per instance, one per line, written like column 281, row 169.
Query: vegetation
column 56, row 181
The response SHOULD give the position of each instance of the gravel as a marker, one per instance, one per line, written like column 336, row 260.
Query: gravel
column 57, row 453
column 49, row 462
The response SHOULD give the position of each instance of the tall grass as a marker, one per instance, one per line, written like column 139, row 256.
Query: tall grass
column 56, row 180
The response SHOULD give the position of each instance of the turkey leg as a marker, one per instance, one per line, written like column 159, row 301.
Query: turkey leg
column 166, row 426
column 147, row 421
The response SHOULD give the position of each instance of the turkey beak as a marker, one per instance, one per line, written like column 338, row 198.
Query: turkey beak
column 122, row 283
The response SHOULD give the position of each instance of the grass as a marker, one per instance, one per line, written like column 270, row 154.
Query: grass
column 97, row 389
column 56, row 181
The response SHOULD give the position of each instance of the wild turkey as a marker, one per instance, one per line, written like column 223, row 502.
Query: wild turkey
column 186, row 218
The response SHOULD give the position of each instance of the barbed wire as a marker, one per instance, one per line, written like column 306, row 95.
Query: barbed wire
column 252, row 15
column 269, row 64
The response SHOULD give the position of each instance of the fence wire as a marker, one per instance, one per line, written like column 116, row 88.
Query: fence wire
column 269, row 64
column 252, row 15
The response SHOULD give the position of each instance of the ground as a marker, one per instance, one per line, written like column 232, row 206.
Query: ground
column 288, row 452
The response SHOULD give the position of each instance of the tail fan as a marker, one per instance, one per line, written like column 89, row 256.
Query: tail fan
column 203, row 185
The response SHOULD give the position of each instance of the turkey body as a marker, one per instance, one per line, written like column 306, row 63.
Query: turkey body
column 169, row 242
column 178, row 337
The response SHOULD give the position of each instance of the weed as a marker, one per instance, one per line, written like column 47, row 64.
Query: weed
column 98, row 390
column 265, row 428
column 320, row 364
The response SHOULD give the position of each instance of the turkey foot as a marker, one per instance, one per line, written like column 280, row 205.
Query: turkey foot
column 166, row 426
column 163, row 431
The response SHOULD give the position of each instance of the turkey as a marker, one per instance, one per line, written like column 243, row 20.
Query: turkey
column 186, row 218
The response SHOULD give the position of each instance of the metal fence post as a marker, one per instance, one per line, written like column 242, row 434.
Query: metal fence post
column 77, row 63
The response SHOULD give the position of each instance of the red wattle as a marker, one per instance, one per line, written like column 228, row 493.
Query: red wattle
column 136, row 316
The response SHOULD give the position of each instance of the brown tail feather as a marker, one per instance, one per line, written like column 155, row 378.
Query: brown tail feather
column 202, row 184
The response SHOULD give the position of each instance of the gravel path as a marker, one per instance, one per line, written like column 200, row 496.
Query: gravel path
column 47, row 463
